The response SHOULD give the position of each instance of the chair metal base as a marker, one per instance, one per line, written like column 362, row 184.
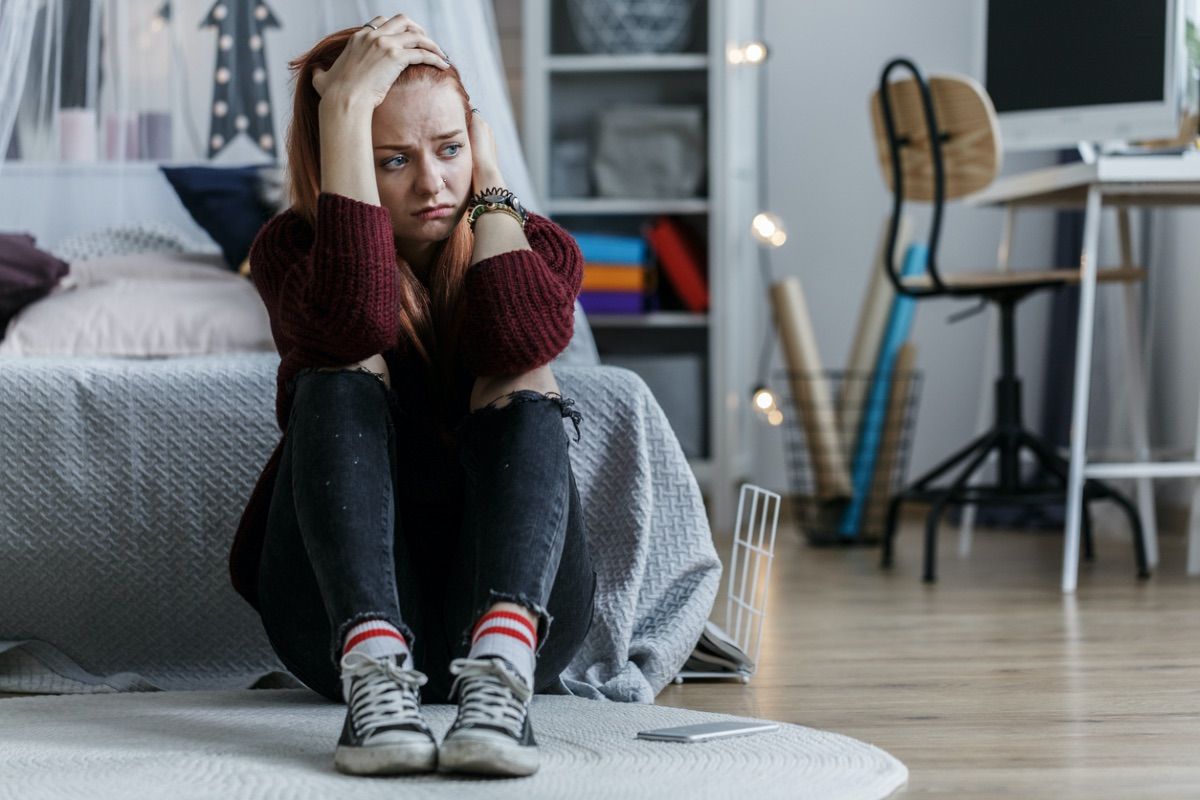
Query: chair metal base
column 1010, row 489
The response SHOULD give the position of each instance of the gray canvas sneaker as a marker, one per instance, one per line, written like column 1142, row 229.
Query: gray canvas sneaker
column 491, row 734
column 384, row 732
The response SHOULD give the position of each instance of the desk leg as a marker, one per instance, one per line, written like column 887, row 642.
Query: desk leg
column 1137, row 396
column 1137, row 412
column 1083, row 379
column 1193, row 551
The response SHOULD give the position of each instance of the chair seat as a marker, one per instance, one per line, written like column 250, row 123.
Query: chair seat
column 995, row 279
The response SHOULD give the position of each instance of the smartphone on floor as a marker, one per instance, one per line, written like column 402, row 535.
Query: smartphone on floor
column 707, row 730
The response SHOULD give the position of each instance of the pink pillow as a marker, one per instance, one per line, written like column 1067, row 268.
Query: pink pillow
column 153, row 304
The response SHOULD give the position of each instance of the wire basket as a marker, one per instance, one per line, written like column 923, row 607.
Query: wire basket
column 861, row 430
column 747, row 579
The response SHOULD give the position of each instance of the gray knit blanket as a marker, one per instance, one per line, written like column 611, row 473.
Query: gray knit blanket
column 124, row 481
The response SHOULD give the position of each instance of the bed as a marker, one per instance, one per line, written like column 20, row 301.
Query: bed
column 128, row 464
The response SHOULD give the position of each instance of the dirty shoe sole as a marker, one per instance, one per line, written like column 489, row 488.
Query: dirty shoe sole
column 484, row 753
column 403, row 758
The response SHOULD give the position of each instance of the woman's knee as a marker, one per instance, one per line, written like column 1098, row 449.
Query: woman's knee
column 375, row 365
column 496, row 390
column 339, row 390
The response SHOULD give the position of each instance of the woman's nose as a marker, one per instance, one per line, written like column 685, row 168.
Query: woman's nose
column 430, row 181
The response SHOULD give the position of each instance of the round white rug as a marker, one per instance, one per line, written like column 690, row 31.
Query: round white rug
column 235, row 744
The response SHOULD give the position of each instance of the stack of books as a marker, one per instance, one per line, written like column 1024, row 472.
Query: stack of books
column 614, row 273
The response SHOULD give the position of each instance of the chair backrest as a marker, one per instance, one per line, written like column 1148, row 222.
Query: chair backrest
column 970, row 136
column 962, row 157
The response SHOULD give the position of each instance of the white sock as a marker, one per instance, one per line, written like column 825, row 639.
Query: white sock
column 378, row 638
column 510, row 636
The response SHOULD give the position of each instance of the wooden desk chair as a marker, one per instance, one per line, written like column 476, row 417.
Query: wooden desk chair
column 964, row 157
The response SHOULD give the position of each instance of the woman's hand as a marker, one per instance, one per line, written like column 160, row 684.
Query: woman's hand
column 373, row 59
column 485, row 165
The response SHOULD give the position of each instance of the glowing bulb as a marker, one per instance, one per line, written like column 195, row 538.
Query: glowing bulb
column 764, row 400
column 775, row 416
column 768, row 229
column 755, row 52
column 735, row 55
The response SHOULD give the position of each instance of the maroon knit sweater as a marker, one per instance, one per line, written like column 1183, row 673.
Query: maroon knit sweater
column 332, row 294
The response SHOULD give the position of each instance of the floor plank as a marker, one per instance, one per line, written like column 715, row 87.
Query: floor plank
column 990, row 683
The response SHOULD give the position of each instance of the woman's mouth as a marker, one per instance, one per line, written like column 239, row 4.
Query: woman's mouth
column 437, row 212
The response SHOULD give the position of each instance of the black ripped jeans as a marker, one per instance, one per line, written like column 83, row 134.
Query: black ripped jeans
column 357, row 529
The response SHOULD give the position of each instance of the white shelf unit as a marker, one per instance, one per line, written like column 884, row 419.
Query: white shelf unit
column 564, row 88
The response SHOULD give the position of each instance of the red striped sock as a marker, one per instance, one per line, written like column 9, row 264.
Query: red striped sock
column 508, row 635
column 377, row 638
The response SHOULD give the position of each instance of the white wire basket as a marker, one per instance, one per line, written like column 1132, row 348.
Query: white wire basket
column 749, row 578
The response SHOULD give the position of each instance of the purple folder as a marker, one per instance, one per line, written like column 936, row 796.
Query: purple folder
column 612, row 302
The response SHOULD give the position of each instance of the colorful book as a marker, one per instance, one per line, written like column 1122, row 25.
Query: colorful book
column 614, row 278
column 682, row 261
column 611, row 302
column 810, row 388
column 604, row 248
column 866, row 451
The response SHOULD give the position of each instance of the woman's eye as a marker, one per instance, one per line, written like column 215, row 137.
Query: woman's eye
column 392, row 161
column 456, row 147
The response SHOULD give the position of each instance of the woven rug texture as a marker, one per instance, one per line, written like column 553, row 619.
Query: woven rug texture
column 279, row 743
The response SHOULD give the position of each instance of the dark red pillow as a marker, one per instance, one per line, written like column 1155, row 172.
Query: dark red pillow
column 26, row 274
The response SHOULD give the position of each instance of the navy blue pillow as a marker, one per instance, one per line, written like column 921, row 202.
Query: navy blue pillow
column 226, row 202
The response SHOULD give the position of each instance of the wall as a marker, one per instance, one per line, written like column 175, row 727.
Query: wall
column 824, row 181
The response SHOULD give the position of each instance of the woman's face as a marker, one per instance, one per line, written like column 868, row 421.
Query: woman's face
column 422, row 159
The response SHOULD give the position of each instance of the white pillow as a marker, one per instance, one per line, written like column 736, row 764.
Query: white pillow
column 158, row 266
column 141, row 306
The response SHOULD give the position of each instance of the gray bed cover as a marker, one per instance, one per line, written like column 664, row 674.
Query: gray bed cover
column 124, row 480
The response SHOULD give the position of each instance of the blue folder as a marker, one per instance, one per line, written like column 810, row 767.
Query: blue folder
column 602, row 248
column 866, row 451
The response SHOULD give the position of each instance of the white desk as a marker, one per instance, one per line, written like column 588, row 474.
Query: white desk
column 1120, row 182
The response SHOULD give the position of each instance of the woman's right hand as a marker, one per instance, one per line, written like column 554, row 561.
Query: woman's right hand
column 373, row 59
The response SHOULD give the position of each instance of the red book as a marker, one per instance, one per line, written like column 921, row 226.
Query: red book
column 682, row 261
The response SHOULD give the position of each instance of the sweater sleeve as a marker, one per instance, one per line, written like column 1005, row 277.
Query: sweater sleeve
column 332, row 290
column 520, row 305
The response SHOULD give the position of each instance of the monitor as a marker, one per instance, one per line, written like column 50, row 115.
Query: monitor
column 1060, row 72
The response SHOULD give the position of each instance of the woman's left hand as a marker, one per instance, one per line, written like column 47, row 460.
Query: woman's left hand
column 485, row 166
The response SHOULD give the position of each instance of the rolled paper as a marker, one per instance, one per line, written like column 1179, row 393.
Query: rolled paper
column 868, row 334
column 866, row 449
column 810, row 388
column 77, row 134
column 892, row 441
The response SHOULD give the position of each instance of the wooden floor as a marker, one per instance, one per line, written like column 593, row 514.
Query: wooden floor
column 990, row 683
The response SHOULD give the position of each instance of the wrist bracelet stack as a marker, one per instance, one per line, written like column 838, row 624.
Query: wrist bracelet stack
column 495, row 199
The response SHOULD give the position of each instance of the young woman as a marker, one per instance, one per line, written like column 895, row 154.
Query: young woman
column 418, row 529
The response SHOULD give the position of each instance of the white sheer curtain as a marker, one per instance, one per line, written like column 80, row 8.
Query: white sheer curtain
column 126, row 84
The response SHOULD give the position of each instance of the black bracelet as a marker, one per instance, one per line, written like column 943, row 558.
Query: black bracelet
column 477, row 198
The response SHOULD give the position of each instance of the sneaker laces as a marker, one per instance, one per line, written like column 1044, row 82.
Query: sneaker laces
column 489, row 694
column 382, row 693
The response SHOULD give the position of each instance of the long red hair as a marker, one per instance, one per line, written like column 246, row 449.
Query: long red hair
column 430, row 319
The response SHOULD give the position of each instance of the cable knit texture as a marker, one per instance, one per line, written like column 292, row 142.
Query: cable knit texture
column 333, row 296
